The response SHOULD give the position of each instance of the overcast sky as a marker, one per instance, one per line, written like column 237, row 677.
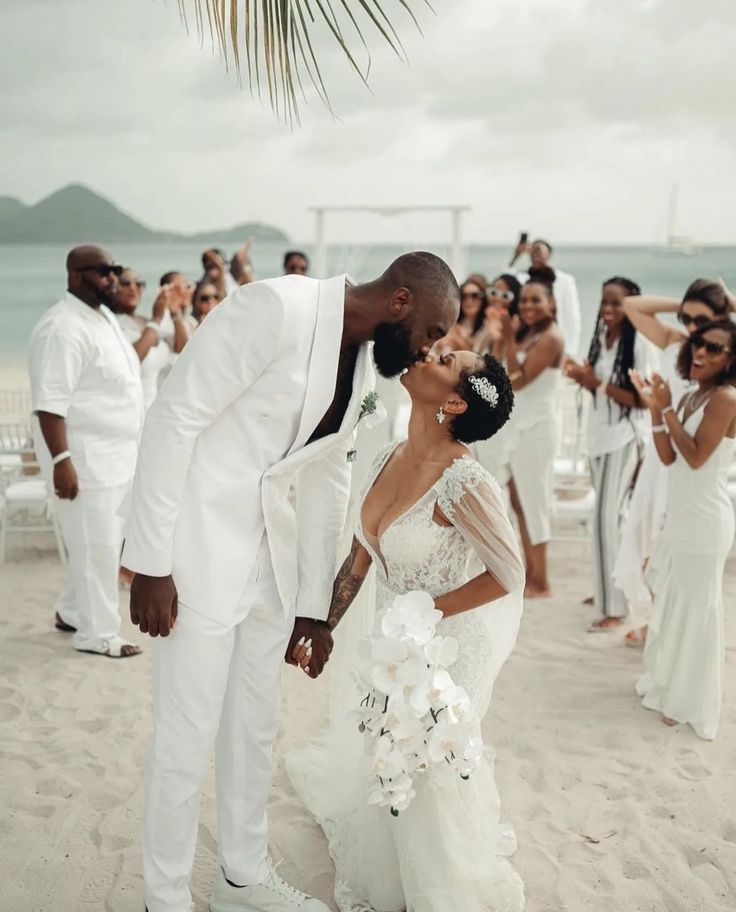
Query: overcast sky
column 568, row 118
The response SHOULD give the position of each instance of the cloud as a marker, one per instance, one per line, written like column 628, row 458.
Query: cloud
column 568, row 116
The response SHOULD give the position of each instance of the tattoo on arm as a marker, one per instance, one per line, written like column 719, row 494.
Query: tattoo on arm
column 347, row 584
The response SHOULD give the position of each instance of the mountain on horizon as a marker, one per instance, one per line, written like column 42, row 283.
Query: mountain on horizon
column 75, row 214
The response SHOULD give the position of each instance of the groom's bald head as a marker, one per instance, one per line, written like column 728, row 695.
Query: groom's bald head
column 430, row 281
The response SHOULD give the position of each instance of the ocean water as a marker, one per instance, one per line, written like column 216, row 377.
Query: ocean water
column 32, row 278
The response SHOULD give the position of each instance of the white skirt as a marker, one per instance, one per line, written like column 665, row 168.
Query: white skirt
column 685, row 649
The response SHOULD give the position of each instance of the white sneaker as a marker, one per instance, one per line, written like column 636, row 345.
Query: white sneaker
column 271, row 895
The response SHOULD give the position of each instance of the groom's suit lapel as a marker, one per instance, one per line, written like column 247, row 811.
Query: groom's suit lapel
column 323, row 358
column 362, row 376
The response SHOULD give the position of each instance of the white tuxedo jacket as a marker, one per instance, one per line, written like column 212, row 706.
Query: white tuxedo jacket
column 223, row 456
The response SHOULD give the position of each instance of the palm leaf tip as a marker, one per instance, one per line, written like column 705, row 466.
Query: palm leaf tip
column 276, row 37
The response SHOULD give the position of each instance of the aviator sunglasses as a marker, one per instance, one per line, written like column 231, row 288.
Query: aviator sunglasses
column 713, row 348
column 687, row 320
column 103, row 270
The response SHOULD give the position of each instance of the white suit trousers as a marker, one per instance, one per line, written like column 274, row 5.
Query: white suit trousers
column 93, row 535
column 222, row 685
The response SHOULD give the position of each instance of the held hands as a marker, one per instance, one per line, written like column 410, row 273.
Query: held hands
column 310, row 646
column 66, row 485
column 154, row 604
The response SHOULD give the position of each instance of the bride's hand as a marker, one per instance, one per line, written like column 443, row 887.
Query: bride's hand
column 302, row 653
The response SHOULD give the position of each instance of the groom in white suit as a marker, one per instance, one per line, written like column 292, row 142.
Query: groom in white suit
column 234, row 521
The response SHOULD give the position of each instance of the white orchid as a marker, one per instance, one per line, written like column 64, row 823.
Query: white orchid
column 438, row 689
column 412, row 615
column 420, row 721
column 442, row 651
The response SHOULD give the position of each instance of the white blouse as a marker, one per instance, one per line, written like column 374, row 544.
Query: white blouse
column 609, row 428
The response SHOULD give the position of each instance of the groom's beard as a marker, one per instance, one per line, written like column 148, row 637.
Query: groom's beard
column 392, row 350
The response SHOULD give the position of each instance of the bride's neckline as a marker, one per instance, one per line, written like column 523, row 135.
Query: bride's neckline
column 370, row 538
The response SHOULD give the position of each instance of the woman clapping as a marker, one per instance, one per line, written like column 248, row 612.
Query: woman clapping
column 685, row 650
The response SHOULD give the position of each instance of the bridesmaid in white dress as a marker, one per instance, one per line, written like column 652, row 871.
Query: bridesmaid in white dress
column 534, row 348
column 431, row 519
column 703, row 302
column 685, row 649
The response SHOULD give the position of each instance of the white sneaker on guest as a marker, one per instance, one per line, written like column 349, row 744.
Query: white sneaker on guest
column 271, row 895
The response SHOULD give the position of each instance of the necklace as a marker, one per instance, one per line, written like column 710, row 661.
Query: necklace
column 691, row 407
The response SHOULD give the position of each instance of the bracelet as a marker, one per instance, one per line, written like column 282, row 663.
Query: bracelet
column 154, row 325
column 60, row 457
column 667, row 408
column 659, row 429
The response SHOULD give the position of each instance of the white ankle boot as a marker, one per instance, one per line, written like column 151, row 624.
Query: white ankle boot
column 271, row 895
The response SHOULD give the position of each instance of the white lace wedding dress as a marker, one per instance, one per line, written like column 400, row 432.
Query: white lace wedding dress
column 448, row 852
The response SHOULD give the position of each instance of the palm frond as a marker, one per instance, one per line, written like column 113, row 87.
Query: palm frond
column 276, row 40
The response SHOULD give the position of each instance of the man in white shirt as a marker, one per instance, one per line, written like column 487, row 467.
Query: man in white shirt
column 565, row 291
column 88, row 406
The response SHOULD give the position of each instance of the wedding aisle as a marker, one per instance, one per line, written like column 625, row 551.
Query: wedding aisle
column 613, row 811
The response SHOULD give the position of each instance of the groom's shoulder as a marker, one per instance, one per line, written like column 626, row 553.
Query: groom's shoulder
column 293, row 290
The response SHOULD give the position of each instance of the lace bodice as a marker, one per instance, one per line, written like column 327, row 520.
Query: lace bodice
column 416, row 553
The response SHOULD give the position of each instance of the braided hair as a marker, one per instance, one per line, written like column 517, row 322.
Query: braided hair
column 625, row 355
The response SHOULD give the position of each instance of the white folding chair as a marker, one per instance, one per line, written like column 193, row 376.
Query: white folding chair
column 574, row 497
column 25, row 503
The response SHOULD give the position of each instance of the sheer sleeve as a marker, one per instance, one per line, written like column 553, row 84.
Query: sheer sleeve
column 473, row 502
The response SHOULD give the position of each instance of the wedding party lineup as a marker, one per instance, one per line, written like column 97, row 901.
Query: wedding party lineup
column 389, row 569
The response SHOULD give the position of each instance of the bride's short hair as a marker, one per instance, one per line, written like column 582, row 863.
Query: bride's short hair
column 481, row 420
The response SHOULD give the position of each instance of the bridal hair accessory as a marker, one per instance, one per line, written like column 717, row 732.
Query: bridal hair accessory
column 485, row 389
column 416, row 719
column 440, row 416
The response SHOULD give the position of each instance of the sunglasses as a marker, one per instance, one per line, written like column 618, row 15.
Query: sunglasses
column 126, row 283
column 713, row 348
column 500, row 293
column 474, row 295
column 103, row 270
column 698, row 321
column 207, row 297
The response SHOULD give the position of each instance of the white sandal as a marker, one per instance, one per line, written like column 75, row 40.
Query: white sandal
column 112, row 648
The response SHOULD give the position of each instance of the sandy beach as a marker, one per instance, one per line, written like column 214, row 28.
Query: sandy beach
column 614, row 812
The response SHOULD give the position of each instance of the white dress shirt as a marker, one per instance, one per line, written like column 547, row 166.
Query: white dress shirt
column 609, row 429
column 83, row 369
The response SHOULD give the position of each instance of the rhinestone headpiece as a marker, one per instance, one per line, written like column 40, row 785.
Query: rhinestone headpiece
column 485, row 389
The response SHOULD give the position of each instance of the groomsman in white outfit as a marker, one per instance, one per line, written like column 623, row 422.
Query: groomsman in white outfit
column 234, row 522
column 88, row 404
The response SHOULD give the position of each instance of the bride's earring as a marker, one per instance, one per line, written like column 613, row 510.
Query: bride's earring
column 440, row 416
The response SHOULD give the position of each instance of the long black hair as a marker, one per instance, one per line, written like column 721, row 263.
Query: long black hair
column 625, row 355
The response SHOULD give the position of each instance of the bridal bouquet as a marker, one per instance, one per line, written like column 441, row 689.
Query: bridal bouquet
column 419, row 720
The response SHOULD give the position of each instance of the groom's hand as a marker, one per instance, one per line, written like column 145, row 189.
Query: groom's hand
column 153, row 604
column 319, row 633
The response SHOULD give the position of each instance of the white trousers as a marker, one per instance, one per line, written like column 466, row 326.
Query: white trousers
column 221, row 685
column 93, row 535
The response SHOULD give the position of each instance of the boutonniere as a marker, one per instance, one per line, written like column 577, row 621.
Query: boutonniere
column 372, row 408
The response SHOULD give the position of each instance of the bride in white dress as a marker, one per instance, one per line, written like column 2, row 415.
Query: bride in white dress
column 685, row 649
column 431, row 519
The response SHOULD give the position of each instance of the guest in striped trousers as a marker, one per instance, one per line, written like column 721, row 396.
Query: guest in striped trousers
column 615, row 430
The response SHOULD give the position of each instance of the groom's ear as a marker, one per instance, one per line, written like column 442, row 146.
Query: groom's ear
column 401, row 304
column 455, row 405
